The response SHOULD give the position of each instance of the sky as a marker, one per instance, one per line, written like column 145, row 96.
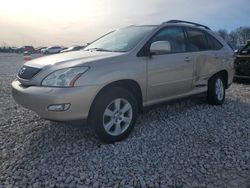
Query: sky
column 73, row 22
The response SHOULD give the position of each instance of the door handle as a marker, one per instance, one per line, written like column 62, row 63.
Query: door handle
column 188, row 59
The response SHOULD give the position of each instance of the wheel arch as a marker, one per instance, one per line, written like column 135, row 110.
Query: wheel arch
column 130, row 85
column 224, row 73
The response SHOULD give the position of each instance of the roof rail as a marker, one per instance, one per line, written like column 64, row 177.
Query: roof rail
column 192, row 23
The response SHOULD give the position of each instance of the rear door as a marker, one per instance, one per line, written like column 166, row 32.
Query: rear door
column 205, row 59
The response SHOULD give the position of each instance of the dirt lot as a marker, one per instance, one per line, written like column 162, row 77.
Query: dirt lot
column 182, row 144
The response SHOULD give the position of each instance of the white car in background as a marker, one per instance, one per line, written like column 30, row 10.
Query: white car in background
column 52, row 50
column 73, row 48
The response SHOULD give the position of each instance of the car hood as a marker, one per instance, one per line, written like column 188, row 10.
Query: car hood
column 74, row 58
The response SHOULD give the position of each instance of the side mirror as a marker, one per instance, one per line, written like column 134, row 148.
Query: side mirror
column 160, row 47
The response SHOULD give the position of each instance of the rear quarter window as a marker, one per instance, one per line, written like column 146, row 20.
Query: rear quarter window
column 213, row 43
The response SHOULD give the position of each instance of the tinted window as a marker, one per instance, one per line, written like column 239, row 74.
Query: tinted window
column 197, row 40
column 213, row 43
column 175, row 36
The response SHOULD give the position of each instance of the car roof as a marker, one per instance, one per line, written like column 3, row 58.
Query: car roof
column 186, row 23
column 178, row 23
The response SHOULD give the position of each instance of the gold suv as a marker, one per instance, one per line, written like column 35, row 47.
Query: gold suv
column 113, row 78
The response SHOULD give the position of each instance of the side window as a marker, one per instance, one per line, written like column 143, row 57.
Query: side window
column 175, row 36
column 213, row 43
column 197, row 40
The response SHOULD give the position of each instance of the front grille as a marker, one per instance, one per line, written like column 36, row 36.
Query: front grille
column 27, row 72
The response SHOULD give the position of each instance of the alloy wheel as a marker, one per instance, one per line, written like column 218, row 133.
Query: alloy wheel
column 219, row 89
column 117, row 117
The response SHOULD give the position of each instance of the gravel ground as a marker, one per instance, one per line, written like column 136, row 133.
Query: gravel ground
column 183, row 144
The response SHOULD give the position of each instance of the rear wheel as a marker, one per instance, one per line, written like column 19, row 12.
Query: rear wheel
column 216, row 90
column 114, row 114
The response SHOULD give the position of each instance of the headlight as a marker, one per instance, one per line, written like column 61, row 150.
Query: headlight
column 64, row 77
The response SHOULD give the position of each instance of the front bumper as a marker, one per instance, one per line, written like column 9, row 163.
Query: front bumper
column 38, row 99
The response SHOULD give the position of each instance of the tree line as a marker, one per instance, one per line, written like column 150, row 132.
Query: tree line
column 237, row 37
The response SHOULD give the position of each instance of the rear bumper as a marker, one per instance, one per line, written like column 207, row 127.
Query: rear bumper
column 38, row 99
column 231, row 73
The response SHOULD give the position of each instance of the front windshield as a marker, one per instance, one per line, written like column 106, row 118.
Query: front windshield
column 121, row 40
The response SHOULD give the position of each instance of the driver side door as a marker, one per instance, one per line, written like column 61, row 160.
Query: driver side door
column 170, row 74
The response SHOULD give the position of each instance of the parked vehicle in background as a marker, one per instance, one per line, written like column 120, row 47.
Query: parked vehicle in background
column 13, row 49
column 19, row 50
column 38, row 49
column 43, row 50
column 113, row 78
column 242, row 62
column 73, row 48
column 64, row 48
column 29, row 49
column 7, row 49
column 52, row 50
column 26, row 53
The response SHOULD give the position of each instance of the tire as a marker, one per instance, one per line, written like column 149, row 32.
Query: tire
column 111, row 123
column 216, row 90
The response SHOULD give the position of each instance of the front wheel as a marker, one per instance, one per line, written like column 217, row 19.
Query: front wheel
column 114, row 114
column 216, row 90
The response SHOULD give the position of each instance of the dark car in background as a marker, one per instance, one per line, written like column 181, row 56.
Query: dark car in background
column 27, row 49
column 242, row 62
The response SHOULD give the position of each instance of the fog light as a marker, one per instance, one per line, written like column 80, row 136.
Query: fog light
column 58, row 107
